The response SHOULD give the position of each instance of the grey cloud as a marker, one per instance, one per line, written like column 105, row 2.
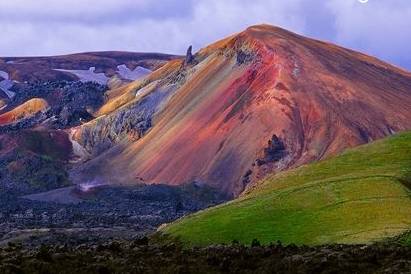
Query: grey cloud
column 47, row 27
column 92, row 11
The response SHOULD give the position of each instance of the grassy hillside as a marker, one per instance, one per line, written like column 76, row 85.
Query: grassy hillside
column 404, row 239
column 407, row 240
column 360, row 196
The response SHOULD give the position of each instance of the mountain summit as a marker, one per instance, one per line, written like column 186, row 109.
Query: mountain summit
column 257, row 102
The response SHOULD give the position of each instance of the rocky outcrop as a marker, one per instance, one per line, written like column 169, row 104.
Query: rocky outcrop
column 128, row 123
column 274, row 151
column 273, row 157
column 244, row 57
column 189, row 56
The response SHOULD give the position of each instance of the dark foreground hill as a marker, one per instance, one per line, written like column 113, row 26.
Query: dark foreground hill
column 148, row 256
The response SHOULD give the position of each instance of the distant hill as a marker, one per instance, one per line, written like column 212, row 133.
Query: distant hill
column 361, row 196
column 112, row 68
column 49, row 68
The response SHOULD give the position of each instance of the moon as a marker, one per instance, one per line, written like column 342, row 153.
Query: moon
column 363, row 1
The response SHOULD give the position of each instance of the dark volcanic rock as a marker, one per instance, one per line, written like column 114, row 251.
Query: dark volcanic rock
column 70, row 103
column 163, row 255
column 129, row 123
column 189, row 56
column 244, row 57
column 274, row 151
column 121, row 210
column 33, row 160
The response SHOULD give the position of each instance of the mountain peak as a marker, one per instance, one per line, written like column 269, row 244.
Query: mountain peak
column 266, row 28
column 267, row 40
column 262, row 33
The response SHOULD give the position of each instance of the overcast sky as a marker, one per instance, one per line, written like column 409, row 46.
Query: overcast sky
column 49, row 27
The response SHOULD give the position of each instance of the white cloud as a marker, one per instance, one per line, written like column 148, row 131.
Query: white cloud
column 380, row 28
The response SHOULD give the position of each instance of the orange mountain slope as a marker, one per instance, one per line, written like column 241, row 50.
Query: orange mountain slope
column 25, row 110
column 254, row 103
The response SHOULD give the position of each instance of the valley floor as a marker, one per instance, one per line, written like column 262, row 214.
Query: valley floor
column 102, row 213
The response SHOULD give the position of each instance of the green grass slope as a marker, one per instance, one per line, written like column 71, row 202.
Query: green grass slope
column 407, row 240
column 360, row 196
column 404, row 239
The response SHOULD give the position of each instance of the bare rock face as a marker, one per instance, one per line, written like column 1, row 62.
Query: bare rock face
column 128, row 123
column 189, row 56
column 272, row 158
column 274, row 151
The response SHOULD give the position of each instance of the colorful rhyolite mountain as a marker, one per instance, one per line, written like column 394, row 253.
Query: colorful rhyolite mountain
column 258, row 102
